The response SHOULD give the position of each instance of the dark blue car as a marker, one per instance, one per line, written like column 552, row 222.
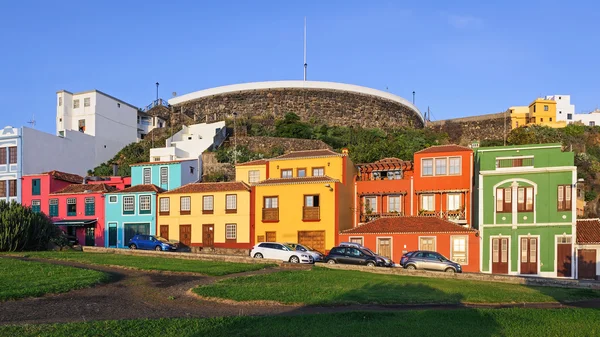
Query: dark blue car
column 151, row 242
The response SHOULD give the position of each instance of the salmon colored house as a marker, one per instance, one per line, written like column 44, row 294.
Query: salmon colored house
column 35, row 188
column 443, row 179
column 394, row 236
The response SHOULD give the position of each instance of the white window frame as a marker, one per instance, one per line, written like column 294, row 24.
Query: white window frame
column 86, row 102
column 457, row 201
column 428, row 237
column 146, row 175
column 145, row 200
column 211, row 203
column 432, row 208
column 373, row 205
column 362, row 239
column 165, row 206
column 53, row 202
column 253, row 176
column 230, row 231
column 231, row 200
column 443, row 160
column 459, row 167
column 36, row 202
column 285, row 175
column 76, row 104
column 71, row 201
column 164, row 175
column 466, row 251
column 389, row 204
column 269, row 202
column 129, row 204
column 185, row 204
column 320, row 170
column 113, row 199
column 429, row 174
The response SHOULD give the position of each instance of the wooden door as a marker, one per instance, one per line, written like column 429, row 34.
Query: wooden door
column 164, row 231
column 586, row 264
column 112, row 235
column 270, row 236
column 385, row 247
column 185, row 235
column 208, row 235
column 500, row 256
column 528, row 255
column 313, row 239
column 563, row 259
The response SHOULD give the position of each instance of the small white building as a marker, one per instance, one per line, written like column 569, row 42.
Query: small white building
column 590, row 119
column 190, row 142
column 565, row 111
column 147, row 123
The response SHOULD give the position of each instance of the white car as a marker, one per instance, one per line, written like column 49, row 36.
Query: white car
column 279, row 251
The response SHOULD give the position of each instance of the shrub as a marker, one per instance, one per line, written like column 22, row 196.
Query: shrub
column 22, row 229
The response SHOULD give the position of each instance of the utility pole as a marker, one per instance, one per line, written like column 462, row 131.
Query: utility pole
column 413, row 98
column 305, row 64
column 504, row 128
column 234, row 140
column 157, row 92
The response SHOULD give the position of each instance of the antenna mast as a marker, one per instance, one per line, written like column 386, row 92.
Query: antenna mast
column 305, row 64
column 32, row 121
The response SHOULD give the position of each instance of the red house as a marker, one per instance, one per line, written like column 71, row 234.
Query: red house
column 394, row 236
column 120, row 183
column 383, row 188
column 443, row 183
column 35, row 188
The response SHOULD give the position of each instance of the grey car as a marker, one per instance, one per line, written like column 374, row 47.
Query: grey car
column 317, row 255
column 427, row 260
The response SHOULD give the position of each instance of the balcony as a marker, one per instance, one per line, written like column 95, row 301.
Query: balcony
column 374, row 216
column 430, row 213
column 270, row 214
column 311, row 213
column 458, row 216
column 504, row 163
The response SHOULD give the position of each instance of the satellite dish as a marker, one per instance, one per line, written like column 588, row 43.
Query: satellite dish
column 174, row 93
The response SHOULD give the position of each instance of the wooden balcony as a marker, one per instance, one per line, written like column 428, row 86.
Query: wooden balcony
column 311, row 213
column 458, row 216
column 364, row 217
column 270, row 214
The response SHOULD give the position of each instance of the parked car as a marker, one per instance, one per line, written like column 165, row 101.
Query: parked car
column 352, row 255
column 426, row 260
column 316, row 255
column 151, row 242
column 280, row 251
column 381, row 260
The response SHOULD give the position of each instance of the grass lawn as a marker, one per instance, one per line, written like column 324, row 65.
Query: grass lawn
column 212, row 268
column 322, row 286
column 20, row 279
column 465, row 322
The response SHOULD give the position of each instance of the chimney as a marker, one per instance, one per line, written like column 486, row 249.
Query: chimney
column 85, row 180
column 115, row 169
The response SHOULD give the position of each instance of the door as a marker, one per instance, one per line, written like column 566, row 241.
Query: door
column 270, row 236
column 563, row 259
column 313, row 239
column 500, row 256
column 112, row 235
column 185, row 235
column 586, row 264
column 354, row 256
column 529, row 256
column 134, row 229
column 384, row 247
column 164, row 231
column 90, row 239
column 208, row 235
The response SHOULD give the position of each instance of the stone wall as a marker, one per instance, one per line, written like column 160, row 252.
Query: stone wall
column 332, row 107
column 265, row 144
column 210, row 165
column 465, row 130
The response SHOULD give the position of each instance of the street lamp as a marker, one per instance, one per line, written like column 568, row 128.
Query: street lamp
column 157, row 92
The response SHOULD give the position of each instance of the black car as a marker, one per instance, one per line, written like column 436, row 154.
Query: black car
column 351, row 255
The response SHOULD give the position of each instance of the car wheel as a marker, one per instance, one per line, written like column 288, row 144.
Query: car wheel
column 132, row 246
column 330, row 261
column 294, row 259
column 450, row 270
column 370, row 264
column 411, row 267
column 158, row 249
column 258, row 256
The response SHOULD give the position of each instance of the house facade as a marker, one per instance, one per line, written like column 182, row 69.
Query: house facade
column 11, row 164
column 252, row 172
column 526, row 209
column 208, row 215
column 166, row 175
column 36, row 190
column 588, row 249
column 130, row 212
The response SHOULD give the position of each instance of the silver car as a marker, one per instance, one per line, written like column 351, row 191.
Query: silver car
column 317, row 255
column 427, row 260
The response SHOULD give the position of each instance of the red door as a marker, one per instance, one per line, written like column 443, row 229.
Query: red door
column 500, row 256
column 529, row 256
column 586, row 264
column 208, row 235
column 563, row 260
column 164, row 231
column 185, row 235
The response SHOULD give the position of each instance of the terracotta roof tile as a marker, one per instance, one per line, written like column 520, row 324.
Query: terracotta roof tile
column 161, row 162
column 387, row 163
column 210, row 187
column 142, row 188
column 297, row 181
column 445, row 148
column 588, row 231
column 68, row 177
column 308, row 154
column 408, row 224
column 86, row 188
column 254, row 162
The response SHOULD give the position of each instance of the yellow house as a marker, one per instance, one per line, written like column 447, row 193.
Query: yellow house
column 306, row 198
column 519, row 116
column 252, row 172
column 208, row 215
column 540, row 112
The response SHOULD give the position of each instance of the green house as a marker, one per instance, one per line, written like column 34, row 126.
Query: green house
column 525, row 205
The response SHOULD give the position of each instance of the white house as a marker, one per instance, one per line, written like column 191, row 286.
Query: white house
column 147, row 123
column 591, row 119
column 565, row 111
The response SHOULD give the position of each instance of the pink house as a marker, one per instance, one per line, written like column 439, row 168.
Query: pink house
column 35, row 188
column 120, row 183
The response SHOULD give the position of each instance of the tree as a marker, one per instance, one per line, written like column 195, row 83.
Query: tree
column 292, row 127
column 22, row 229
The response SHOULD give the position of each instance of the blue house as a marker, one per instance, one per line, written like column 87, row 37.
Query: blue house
column 165, row 174
column 129, row 212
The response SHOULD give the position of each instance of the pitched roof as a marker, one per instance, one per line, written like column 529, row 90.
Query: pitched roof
column 210, row 187
column 588, row 231
column 86, row 188
column 162, row 162
column 408, row 225
column 141, row 188
column 68, row 177
column 254, row 162
column 387, row 163
column 297, row 181
column 308, row 154
column 445, row 148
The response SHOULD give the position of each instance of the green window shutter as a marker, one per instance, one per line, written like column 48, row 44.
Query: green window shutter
column 90, row 207
column 36, row 208
column 35, row 187
column 53, row 210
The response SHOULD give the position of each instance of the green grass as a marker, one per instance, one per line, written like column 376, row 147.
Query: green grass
column 19, row 279
column 464, row 322
column 322, row 286
column 212, row 268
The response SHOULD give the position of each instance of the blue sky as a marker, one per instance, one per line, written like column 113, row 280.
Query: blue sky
column 462, row 57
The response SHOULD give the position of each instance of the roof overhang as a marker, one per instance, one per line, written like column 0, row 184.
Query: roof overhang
column 76, row 223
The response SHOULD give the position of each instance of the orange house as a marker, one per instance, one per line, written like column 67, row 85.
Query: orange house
column 442, row 183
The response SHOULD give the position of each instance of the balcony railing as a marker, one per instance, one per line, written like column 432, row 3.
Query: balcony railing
column 157, row 102
column 455, row 216
column 430, row 213
column 514, row 162
column 374, row 216
column 311, row 213
column 270, row 214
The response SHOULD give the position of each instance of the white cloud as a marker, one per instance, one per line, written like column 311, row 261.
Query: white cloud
column 464, row 21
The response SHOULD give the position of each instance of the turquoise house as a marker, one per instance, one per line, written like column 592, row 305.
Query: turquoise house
column 165, row 174
column 130, row 212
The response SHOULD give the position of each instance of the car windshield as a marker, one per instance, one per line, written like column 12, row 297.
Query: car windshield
column 288, row 247
column 161, row 239
column 369, row 251
column 307, row 247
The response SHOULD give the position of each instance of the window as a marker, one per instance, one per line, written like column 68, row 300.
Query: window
column 514, row 162
column 53, row 203
column 35, row 187
column 370, row 205
column 36, row 206
column 534, row 108
column 525, row 199
column 231, row 203
column 230, row 231
column 301, row 172
column 270, row 210
column 3, row 156
column 253, row 176
column 454, row 165
column 90, row 206
column 563, row 239
column 453, row 202
column 311, row 210
column 145, row 204
column 81, row 125
column 155, row 158
column 12, row 188
column 394, row 203
column 551, row 119
column 459, row 249
column 427, row 243
column 71, row 206
column 427, row 169
column 357, row 240
column 60, row 101
column 440, row 166
column 271, row 202
column 569, row 116
column 2, row 188
column 75, row 104
column 592, row 123
column 541, row 120
column 545, row 108
column 318, row 171
column 147, row 175
column 185, row 206
column 427, row 202
column 504, row 200
column 128, row 204
column 287, row 173
column 192, row 169
column 112, row 199
column 164, row 206
column 564, row 197
column 495, row 248
column 164, row 175
column 311, row 200
column 12, row 155
column 207, row 204
column 86, row 101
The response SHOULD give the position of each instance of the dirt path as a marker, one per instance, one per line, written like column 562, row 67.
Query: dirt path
column 146, row 294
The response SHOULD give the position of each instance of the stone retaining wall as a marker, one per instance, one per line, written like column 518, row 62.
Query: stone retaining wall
column 465, row 130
